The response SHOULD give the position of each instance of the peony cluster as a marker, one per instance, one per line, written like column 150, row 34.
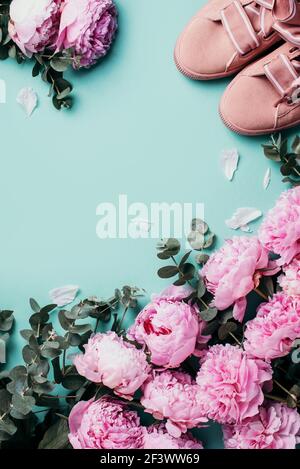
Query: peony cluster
column 104, row 424
column 170, row 328
column 274, row 427
column 87, row 27
column 34, row 24
column 119, row 365
column 280, row 230
column 231, row 384
column 174, row 396
column 272, row 332
column 234, row 271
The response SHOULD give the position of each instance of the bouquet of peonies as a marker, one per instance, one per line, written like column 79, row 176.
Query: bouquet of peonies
column 57, row 34
column 221, row 344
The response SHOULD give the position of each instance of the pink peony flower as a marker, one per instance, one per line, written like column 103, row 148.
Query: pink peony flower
column 230, row 384
column 157, row 437
column 89, row 27
column 119, row 365
column 104, row 424
column 234, row 271
column 275, row 427
column 173, row 395
column 290, row 280
column 169, row 328
column 272, row 332
column 280, row 231
column 34, row 24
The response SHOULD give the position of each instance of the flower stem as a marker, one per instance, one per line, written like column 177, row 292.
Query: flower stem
column 275, row 398
column 262, row 295
column 236, row 339
column 285, row 390
column 123, row 317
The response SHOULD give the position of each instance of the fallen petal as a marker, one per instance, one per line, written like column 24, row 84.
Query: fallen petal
column 242, row 217
column 62, row 296
column 267, row 179
column 27, row 98
column 246, row 229
column 229, row 162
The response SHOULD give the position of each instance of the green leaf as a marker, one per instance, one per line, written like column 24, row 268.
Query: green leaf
column 6, row 320
column 73, row 382
column 47, row 309
column 199, row 225
column 29, row 355
column 5, row 400
column 26, row 334
column 64, row 321
column 56, row 103
column 201, row 288
column 50, row 352
column 226, row 329
column 184, row 259
column 2, row 351
column 36, row 69
column 62, row 84
column 23, row 404
column 60, row 64
column 56, row 437
column 168, row 271
column 211, row 327
column 179, row 282
column 196, row 240
column 209, row 241
column 64, row 94
column 56, row 370
column 7, row 426
column 80, row 328
column 34, row 306
column 209, row 314
column 271, row 153
column 296, row 145
column 201, row 259
column 188, row 271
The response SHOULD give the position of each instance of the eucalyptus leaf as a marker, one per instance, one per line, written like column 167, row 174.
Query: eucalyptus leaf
column 7, row 426
column 56, row 437
column 209, row 314
column 23, row 404
column 34, row 305
column 73, row 381
column 226, row 329
column 168, row 271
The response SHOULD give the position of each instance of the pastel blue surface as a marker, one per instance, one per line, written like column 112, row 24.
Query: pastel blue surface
column 138, row 128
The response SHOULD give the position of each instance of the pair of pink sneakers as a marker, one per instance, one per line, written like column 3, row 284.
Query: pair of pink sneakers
column 225, row 37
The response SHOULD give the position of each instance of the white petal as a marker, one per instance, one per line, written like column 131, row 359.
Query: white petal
column 27, row 98
column 246, row 229
column 267, row 179
column 63, row 295
column 229, row 162
column 242, row 216
column 143, row 224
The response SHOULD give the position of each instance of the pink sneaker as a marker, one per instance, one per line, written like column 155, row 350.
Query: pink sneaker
column 226, row 35
column 265, row 96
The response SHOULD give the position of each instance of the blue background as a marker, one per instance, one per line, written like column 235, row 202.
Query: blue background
column 138, row 128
